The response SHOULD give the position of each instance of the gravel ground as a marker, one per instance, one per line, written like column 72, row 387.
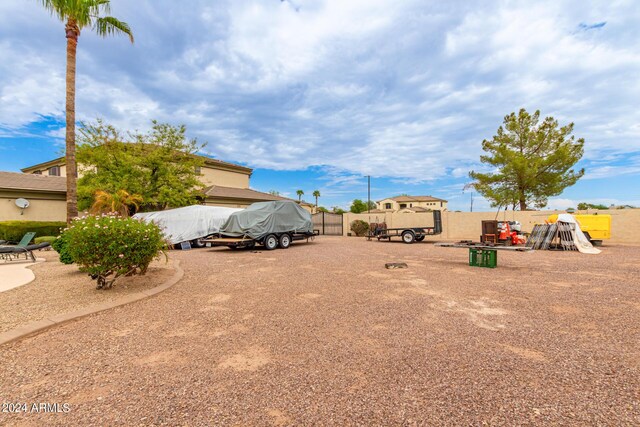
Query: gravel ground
column 323, row 334
column 60, row 288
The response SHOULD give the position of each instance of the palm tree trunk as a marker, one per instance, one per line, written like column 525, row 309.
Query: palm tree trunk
column 72, row 170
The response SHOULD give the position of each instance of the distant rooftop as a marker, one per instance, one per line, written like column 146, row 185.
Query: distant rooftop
column 414, row 199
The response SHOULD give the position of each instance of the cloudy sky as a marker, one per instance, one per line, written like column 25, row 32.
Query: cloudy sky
column 317, row 94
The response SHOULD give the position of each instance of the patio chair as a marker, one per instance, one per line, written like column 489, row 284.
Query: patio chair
column 9, row 253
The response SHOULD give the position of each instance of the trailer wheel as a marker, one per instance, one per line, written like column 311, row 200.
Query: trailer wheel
column 270, row 242
column 198, row 243
column 419, row 239
column 285, row 241
column 408, row 236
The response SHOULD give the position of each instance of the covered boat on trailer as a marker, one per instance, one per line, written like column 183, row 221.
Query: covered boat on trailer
column 271, row 224
column 189, row 224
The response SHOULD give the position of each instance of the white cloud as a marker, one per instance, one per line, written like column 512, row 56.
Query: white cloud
column 406, row 90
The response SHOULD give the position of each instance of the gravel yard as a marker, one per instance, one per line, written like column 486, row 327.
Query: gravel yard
column 323, row 334
column 60, row 288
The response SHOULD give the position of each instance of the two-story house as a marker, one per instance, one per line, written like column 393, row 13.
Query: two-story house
column 227, row 184
column 411, row 204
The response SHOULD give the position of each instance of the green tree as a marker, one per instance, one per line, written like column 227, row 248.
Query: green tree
column 160, row 165
column 79, row 14
column 316, row 194
column 300, row 193
column 337, row 210
column 322, row 209
column 533, row 161
column 274, row 192
column 358, row 206
column 584, row 206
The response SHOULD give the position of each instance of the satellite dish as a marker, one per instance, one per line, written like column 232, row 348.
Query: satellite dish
column 22, row 203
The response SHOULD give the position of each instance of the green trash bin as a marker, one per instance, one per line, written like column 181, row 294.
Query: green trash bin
column 487, row 258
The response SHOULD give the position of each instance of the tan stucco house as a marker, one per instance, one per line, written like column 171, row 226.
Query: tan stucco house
column 44, row 184
column 46, row 196
column 411, row 204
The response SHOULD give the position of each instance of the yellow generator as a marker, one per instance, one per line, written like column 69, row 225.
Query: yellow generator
column 595, row 227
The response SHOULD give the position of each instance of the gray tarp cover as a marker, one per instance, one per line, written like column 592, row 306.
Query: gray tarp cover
column 264, row 218
column 190, row 222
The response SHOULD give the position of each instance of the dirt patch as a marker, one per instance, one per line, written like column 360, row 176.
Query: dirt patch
column 249, row 360
column 526, row 353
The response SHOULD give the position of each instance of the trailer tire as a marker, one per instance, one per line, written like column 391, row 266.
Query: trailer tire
column 285, row 241
column 408, row 236
column 270, row 242
column 198, row 243
column 419, row 239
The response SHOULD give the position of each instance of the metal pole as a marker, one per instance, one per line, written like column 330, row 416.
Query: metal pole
column 369, row 195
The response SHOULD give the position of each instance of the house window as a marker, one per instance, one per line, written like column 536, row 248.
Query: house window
column 37, row 172
column 403, row 205
column 54, row 171
column 440, row 204
column 387, row 205
column 410, row 205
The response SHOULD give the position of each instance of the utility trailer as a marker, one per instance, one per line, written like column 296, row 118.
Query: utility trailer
column 410, row 234
column 270, row 241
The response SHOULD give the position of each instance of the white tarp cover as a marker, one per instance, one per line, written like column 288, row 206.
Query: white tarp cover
column 264, row 218
column 190, row 222
column 579, row 239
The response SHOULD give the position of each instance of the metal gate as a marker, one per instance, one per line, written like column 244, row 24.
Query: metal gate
column 329, row 224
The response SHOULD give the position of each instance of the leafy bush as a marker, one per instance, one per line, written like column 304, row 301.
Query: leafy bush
column 14, row 230
column 108, row 246
column 61, row 245
column 43, row 239
column 359, row 227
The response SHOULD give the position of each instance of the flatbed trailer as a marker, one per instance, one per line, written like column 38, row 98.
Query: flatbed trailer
column 410, row 234
column 270, row 241
column 482, row 254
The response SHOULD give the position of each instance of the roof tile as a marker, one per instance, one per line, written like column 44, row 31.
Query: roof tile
column 24, row 181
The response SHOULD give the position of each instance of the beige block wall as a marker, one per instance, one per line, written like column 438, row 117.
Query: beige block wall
column 224, row 178
column 41, row 208
column 625, row 223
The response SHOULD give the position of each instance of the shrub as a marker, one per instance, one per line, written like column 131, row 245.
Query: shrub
column 108, row 246
column 359, row 227
column 61, row 245
column 43, row 239
column 14, row 230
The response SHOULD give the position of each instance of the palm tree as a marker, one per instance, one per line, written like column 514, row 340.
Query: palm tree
column 299, row 193
column 316, row 194
column 78, row 14
column 119, row 202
